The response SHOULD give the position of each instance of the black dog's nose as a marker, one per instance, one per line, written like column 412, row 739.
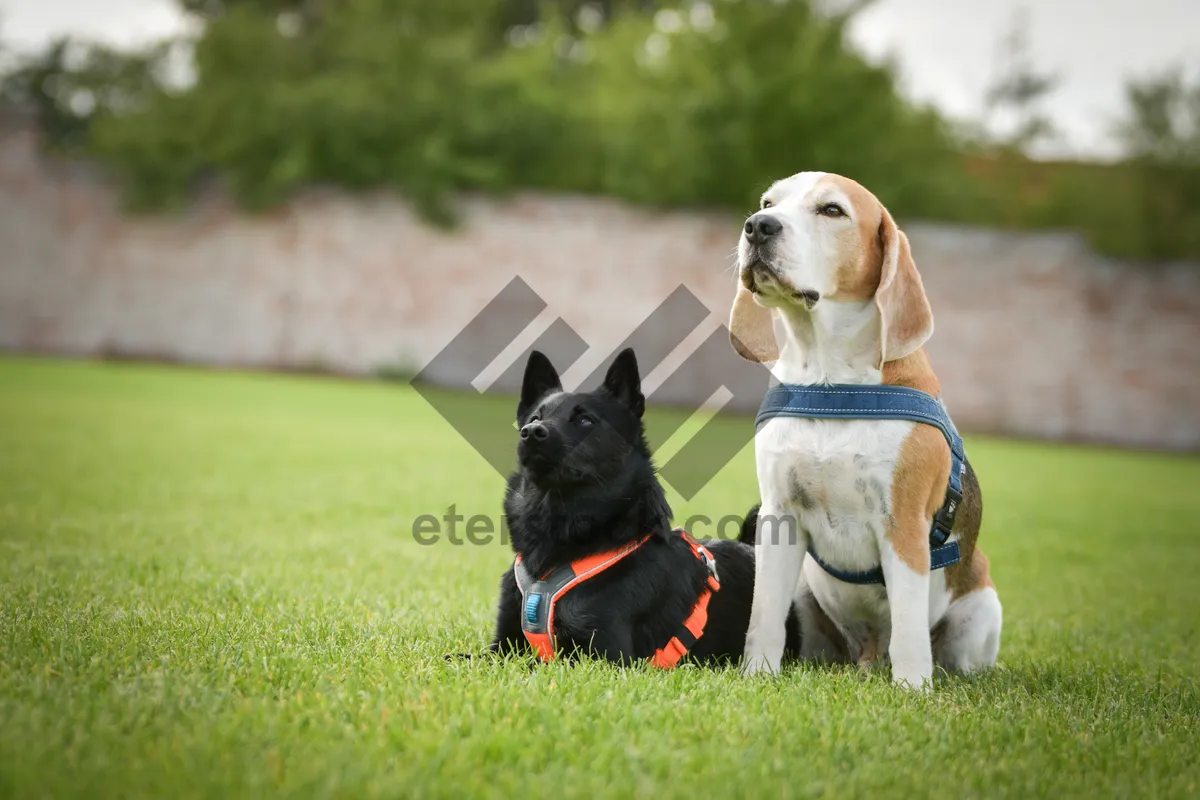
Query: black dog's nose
column 534, row 430
column 761, row 227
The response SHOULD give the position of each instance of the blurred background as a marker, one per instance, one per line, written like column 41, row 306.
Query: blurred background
column 343, row 186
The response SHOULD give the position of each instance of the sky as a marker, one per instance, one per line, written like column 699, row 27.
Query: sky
column 946, row 50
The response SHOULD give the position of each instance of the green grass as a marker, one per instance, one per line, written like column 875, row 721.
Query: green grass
column 208, row 587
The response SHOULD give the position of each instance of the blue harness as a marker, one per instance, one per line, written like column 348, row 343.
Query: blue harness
column 852, row 401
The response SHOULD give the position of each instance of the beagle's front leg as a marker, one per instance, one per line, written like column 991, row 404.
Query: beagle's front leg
column 779, row 550
column 904, row 552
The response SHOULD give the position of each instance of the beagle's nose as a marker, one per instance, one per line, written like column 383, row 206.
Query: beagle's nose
column 534, row 430
column 761, row 227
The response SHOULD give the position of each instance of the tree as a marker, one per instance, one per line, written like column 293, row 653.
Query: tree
column 423, row 96
column 1161, row 136
column 1013, row 124
column 210, row 9
column 1018, row 91
column 1162, row 122
column 69, row 81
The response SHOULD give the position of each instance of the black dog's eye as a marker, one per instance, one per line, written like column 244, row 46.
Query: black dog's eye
column 584, row 420
column 767, row 204
column 831, row 210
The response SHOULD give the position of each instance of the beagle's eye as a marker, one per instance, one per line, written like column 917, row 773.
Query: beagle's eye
column 766, row 204
column 831, row 210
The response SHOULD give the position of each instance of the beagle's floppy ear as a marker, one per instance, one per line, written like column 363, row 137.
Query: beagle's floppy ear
column 752, row 329
column 904, row 312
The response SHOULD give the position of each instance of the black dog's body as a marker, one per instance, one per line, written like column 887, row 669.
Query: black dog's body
column 585, row 485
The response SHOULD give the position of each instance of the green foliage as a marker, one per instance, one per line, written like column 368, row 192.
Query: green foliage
column 1145, row 207
column 67, row 81
column 421, row 96
column 1139, row 209
column 657, row 102
column 1162, row 134
column 1020, row 90
column 1163, row 124
column 378, row 94
column 710, row 115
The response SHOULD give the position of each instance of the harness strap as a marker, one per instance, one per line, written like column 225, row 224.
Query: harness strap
column 853, row 401
column 692, row 629
column 541, row 596
column 939, row 557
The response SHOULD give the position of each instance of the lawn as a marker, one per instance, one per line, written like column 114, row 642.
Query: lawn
column 209, row 587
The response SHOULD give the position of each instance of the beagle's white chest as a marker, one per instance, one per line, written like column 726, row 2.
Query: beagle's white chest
column 835, row 478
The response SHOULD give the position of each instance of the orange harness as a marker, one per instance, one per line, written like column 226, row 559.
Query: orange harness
column 541, row 596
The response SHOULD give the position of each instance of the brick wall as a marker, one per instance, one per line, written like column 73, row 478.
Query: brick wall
column 1036, row 336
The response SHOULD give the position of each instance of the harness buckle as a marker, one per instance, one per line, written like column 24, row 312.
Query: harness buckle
column 943, row 520
column 710, row 563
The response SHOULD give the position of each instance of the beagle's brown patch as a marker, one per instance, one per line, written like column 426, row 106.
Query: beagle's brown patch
column 859, row 272
column 904, row 313
column 922, row 471
column 972, row 572
column 913, row 371
column 752, row 329
column 923, row 449
column 918, row 489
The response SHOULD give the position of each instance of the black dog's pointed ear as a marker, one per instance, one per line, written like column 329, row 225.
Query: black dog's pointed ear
column 540, row 379
column 623, row 382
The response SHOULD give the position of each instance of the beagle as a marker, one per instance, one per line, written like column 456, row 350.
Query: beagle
column 824, row 258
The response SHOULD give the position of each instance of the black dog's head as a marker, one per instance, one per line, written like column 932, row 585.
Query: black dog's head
column 580, row 439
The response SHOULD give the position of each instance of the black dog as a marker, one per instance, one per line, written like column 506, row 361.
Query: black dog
column 586, row 486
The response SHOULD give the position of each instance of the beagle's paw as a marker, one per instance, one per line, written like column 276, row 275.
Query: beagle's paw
column 914, row 680
column 758, row 665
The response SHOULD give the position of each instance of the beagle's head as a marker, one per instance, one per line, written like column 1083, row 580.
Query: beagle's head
column 821, row 239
